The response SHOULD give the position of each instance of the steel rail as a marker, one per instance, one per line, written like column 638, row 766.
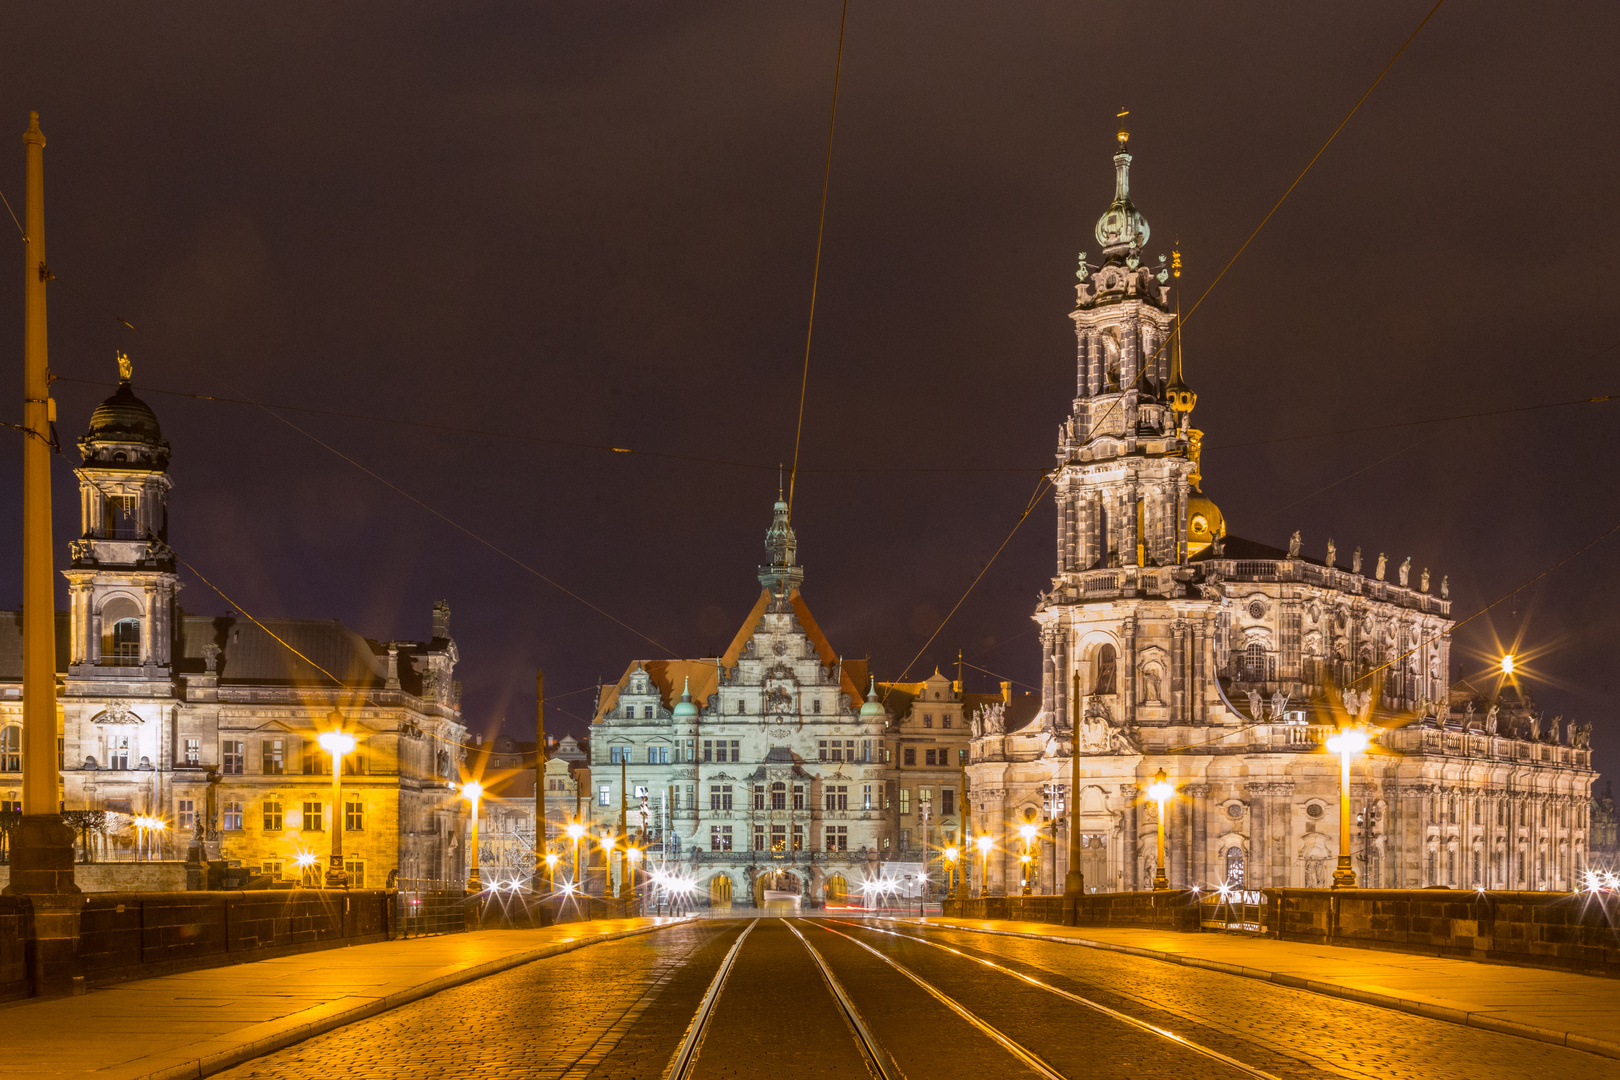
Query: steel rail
column 1016, row 1049
column 682, row 1065
column 883, row 1066
column 1180, row 1040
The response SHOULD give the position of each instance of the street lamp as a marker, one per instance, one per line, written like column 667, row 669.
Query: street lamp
column 984, row 844
column 575, row 832
column 632, row 856
column 951, row 854
column 1508, row 664
column 337, row 742
column 607, row 843
column 1346, row 742
column 1027, row 831
column 472, row 791
column 551, row 872
column 1160, row 792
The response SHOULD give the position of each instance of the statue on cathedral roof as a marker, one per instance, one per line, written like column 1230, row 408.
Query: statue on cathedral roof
column 1406, row 571
column 1383, row 562
column 1293, row 545
column 1355, row 560
column 1332, row 553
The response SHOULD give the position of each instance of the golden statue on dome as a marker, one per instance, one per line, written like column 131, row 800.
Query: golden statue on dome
column 126, row 370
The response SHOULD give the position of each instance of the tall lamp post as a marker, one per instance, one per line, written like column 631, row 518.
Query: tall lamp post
column 337, row 742
column 472, row 791
column 1345, row 742
column 984, row 843
column 575, row 831
column 951, row 854
column 1160, row 792
column 1027, row 831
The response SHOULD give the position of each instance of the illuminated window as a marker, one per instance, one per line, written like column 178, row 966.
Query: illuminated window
column 838, row 838
column 905, row 800
column 118, row 752
column 604, row 797
column 126, row 642
column 314, row 817
column 778, row 837
column 11, row 749
column 185, row 815
column 866, row 796
column 272, row 814
column 354, row 815
column 719, row 837
column 231, row 816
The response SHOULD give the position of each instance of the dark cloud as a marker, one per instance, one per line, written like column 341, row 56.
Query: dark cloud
column 597, row 223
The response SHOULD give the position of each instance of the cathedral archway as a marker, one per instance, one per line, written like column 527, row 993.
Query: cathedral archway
column 835, row 890
column 720, row 892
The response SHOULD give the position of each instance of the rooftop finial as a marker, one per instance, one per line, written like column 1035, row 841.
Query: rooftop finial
column 1124, row 136
column 126, row 370
column 1122, row 228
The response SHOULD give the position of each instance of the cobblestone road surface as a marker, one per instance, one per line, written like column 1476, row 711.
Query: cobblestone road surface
column 619, row 1010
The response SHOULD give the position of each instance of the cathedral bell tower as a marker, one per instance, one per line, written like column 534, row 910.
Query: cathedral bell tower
column 1127, row 456
column 122, row 581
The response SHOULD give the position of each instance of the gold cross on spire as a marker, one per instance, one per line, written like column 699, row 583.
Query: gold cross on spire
column 1123, row 134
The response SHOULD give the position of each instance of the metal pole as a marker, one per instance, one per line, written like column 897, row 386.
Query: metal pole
column 42, row 852
column 475, row 884
column 335, row 876
column 542, row 841
column 967, row 835
column 1074, row 882
column 1345, row 876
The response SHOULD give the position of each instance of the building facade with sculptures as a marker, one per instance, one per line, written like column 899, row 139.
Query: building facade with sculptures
column 1168, row 644
column 759, row 770
column 208, row 724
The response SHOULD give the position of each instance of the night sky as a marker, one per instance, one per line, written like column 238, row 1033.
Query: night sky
column 597, row 224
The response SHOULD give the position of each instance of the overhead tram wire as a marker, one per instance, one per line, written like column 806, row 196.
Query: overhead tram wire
column 522, row 437
column 815, row 274
column 1181, row 321
column 453, row 523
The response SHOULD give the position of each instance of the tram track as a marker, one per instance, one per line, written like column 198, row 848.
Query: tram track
column 1116, row 1014
column 684, row 1064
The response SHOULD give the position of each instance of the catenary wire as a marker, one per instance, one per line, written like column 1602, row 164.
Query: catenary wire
column 455, row 430
column 815, row 275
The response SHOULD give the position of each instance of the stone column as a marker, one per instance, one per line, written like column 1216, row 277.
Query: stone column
column 1128, row 675
column 1048, row 669
column 1196, row 684
column 1198, row 810
column 1131, row 852
column 1257, row 868
column 1063, row 665
column 1178, row 675
column 1180, row 856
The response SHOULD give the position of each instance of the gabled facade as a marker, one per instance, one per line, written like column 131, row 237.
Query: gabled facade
column 757, row 769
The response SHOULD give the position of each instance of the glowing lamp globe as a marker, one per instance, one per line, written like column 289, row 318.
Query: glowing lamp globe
column 1507, row 664
column 634, row 854
column 1160, row 789
column 1347, row 741
column 472, row 790
column 575, row 831
column 336, row 742
column 985, row 843
column 551, row 858
column 1027, row 831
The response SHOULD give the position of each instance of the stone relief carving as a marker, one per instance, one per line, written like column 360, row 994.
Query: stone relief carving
column 119, row 712
column 778, row 700
column 990, row 720
column 211, row 657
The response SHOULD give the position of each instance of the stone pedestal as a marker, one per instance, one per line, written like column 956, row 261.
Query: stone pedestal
column 42, row 873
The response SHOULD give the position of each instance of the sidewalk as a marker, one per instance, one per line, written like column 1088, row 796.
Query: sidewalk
column 1578, row 1011
column 200, row 1022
